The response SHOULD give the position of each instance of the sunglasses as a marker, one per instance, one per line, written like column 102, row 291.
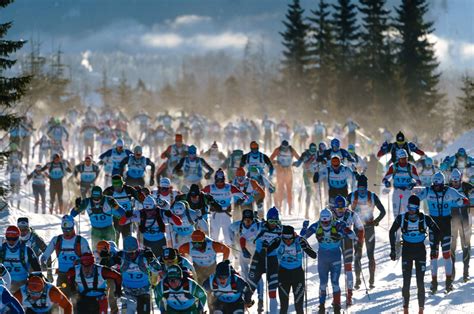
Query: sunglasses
column 413, row 207
column 288, row 237
column 9, row 239
column 273, row 221
column 68, row 229
column 174, row 280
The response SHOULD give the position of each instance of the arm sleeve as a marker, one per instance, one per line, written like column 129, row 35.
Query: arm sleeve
column 184, row 249
column 268, row 162
column 432, row 225
column 221, row 248
column 33, row 259
column 85, row 246
column 206, row 165
column 274, row 154
column 308, row 249
column 393, row 230
column 12, row 303
column 109, row 273
column 152, row 165
column 380, row 207
column 59, row 298
column 179, row 165
column 5, row 276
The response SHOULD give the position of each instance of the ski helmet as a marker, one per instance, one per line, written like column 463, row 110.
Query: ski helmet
column 67, row 223
column 401, row 153
column 130, row 244
column 413, row 203
column 192, row 150
column 455, row 175
column 335, row 144
column 96, row 193
column 285, row 144
column 288, row 232
column 214, row 146
column 174, row 272
column 149, row 202
column 117, row 180
column 400, row 138
column 312, row 147
column 340, row 202
column 198, row 236
column 326, row 216
column 165, row 182
column 138, row 150
column 23, row 223
column 438, row 178
column 35, row 284
column 240, row 172
column 351, row 148
column 178, row 138
column 254, row 146
column 273, row 214
column 219, row 176
column 12, row 232
column 194, row 190
column 162, row 204
column 362, row 181
column 169, row 255
column 322, row 146
column 428, row 162
column 179, row 208
column 461, row 152
column 87, row 259
column 119, row 143
column 247, row 213
column 223, row 269
column 335, row 160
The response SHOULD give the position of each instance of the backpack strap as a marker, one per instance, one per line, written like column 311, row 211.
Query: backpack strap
column 58, row 244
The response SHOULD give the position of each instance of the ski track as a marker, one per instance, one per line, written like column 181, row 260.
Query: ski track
column 386, row 297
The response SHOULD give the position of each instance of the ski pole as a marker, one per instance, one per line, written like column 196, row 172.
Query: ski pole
column 267, row 292
column 305, row 283
column 363, row 277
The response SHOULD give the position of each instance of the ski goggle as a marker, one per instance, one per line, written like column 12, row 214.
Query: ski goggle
column 287, row 236
column 35, row 294
column 273, row 221
column 175, row 281
column 11, row 239
column 400, row 143
column 412, row 207
column 198, row 245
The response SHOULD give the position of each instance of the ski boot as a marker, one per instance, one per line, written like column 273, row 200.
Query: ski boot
column 434, row 285
column 260, row 306
column 349, row 298
column 420, row 310
column 322, row 309
column 465, row 276
column 336, row 304
column 405, row 310
column 371, row 274
column 449, row 284
column 357, row 284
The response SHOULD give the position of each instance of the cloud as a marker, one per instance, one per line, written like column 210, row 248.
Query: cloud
column 441, row 47
column 85, row 60
column 467, row 50
column 183, row 20
column 168, row 40
column 226, row 40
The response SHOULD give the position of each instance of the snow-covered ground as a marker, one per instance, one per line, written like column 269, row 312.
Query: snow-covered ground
column 466, row 140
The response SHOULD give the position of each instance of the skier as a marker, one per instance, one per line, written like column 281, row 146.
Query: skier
column 289, row 248
column 319, row 132
column 57, row 132
column 88, row 172
column 38, row 184
column 232, row 163
column 230, row 292
column 225, row 194
column 125, row 196
column 40, row 296
column 268, row 127
column 171, row 257
column 216, row 158
column 352, row 128
column 100, row 208
column 257, row 159
column 34, row 241
column 441, row 200
column 264, row 261
column 338, row 176
column 44, row 144
column 90, row 281
column 173, row 155
column 8, row 302
column 203, row 253
column 336, row 150
column 139, row 270
column 460, row 160
column 461, row 223
column 88, row 132
column 17, row 257
column 284, row 155
column 353, row 221
column 427, row 171
column 136, row 168
column 181, row 233
column 394, row 147
column 111, row 158
column 413, row 225
column 310, row 166
column 56, row 172
column 405, row 177
column 192, row 167
column 165, row 191
column 179, row 294
column 15, row 169
column 329, row 233
column 68, row 247
column 251, row 188
column 362, row 202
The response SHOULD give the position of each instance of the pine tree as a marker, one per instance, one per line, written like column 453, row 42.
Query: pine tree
column 124, row 92
column 346, row 35
column 321, row 56
column 295, row 51
column 416, row 56
column 466, row 101
column 376, row 60
column 104, row 91
column 11, row 88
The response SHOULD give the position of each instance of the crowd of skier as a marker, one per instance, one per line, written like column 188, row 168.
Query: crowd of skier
column 198, row 231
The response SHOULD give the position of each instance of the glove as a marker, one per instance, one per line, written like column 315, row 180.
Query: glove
column 152, row 181
column 78, row 202
column 207, row 176
column 384, row 146
column 387, row 184
column 295, row 164
column 240, row 201
column 118, row 292
column 316, row 177
column 265, row 244
column 246, row 253
column 375, row 222
column 252, row 302
column 129, row 213
column 43, row 259
column 148, row 254
column 167, row 213
column 393, row 255
column 305, row 224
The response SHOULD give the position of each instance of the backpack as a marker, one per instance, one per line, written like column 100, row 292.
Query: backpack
column 23, row 248
column 356, row 199
column 95, row 282
column 77, row 245
column 421, row 223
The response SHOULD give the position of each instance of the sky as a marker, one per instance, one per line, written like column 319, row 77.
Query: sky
column 195, row 27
